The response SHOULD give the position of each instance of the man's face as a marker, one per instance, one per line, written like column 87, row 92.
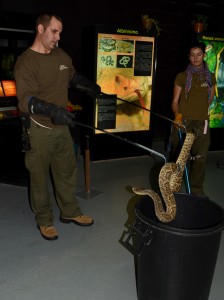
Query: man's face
column 50, row 35
column 196, row 57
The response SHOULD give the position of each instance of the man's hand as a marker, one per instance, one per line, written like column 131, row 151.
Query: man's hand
column 91, row 89
column 60, row 116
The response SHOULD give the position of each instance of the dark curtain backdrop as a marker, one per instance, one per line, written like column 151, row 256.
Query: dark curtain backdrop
column 175, row 19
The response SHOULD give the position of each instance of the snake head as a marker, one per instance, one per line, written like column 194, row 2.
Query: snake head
column 134, row 189
column 138, row 191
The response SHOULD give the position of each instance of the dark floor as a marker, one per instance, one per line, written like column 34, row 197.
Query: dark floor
column 87, row 263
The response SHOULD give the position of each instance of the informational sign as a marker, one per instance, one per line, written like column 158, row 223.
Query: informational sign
column 143, row 58
column 215, row 61
column 106, row 112
column 125, row 64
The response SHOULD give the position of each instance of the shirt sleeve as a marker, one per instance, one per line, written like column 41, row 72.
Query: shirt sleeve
column 180, row 80
column 26, row 85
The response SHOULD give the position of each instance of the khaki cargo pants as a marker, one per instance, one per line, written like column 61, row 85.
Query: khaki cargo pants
column 52, row 150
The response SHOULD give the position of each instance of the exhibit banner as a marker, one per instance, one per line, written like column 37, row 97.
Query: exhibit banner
column 215, row 61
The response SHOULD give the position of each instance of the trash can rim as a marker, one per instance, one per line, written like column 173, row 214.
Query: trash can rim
column 183, row 231
column 217, row 226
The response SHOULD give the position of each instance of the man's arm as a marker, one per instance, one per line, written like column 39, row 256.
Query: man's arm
column 83, row 84
column 59, row 115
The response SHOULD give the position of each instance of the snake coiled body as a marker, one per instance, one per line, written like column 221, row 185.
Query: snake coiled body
column 170, row 181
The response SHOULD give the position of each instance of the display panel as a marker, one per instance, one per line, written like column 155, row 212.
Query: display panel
column 125, row 72
column 122, row 60
column 215, row 60
column 8, row 88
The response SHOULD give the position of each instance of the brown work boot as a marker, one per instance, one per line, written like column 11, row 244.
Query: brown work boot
column 48, row 232
column 81, row 220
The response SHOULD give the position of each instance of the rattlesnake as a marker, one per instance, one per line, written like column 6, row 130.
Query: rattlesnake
column 170, row 180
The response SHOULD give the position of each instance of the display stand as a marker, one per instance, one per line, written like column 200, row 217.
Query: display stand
column 88, row 193
column 123, row 64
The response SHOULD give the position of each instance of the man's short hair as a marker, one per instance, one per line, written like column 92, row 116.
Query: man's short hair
column 45, row 18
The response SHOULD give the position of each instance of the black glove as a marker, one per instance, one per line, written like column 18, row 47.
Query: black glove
column 83, row 84
column 59, row 115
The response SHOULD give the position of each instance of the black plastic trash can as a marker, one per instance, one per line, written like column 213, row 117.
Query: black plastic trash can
column 176, row 260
